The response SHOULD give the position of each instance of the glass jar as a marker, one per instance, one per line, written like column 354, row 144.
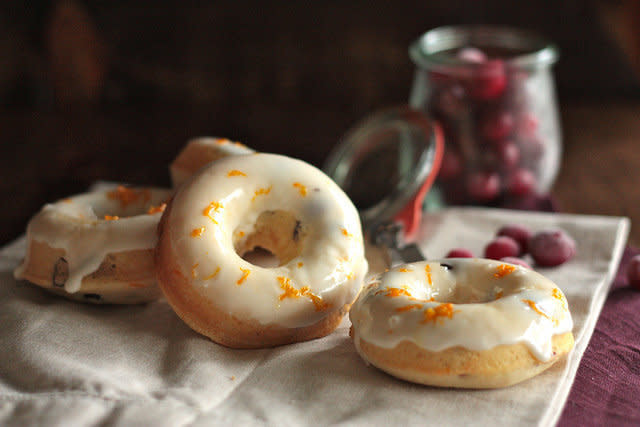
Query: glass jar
column 492, row 92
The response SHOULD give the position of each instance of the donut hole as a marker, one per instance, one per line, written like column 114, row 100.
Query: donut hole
column 473, row 293
column 462, row 283
column 261, row 257
column 276, row 234
column 462, row 295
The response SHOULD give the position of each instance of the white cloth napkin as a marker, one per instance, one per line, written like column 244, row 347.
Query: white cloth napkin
column 64, row 363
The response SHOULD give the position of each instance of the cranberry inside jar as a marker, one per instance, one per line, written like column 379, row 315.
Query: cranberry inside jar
column 492, row 92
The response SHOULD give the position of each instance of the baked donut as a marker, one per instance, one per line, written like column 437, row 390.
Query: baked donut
column 276, row 203
column 469, row 323
column 96, row 247
column 200, row 151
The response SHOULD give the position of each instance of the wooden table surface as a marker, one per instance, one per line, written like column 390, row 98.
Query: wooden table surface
column 49, row 155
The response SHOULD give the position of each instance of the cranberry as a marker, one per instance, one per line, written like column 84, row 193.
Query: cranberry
column 521, row 182
column 498, row 126
column 483, row 186
column 516, row 261
column 518, row 232
column 501, row 247
column 489, row 81
column 531, row 149
column 551, row 247
column 451, row 165
column 527, row 125
column 508, row 154
column 633, row 272
column 472, row 55
column 459, row 253
column 442, row 76
column 452, row 101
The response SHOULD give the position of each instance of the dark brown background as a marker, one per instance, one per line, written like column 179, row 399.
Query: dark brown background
column 112, row 90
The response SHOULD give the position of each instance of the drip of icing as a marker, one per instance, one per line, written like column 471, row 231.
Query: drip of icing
column 530, row 310
column 74, row 227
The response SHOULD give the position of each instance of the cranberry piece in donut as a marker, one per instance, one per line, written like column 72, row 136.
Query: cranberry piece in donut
column 551, row 247
column 501, row 247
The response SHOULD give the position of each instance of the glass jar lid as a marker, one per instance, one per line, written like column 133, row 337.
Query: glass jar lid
column 386, row 164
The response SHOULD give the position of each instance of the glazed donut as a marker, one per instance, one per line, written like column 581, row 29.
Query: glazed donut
column 276, row 203
column 200, row 151
column 96, row 247
column 468, row 323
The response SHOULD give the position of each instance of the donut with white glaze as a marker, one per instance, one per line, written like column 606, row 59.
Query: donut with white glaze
column 467, row 323
column 267, row 201
column 97, row 247
column 200, row 151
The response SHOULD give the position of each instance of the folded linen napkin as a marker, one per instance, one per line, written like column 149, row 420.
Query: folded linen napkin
column 64, row 363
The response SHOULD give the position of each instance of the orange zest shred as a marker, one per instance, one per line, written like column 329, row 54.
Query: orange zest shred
column 558, row 295
column 440, row 311
column 139, row 285
column 408, row 307
column 300, row 264
column 212, row 275
column 155, row 209
column 534, row 307
column 346, row 233
column 213, row 206
column 236, row 172
column 239, row 144
column 301, row 188
column 404, row 270
column 291, row 292
column 197, row 232
column 393, row 292
column 350, row 275
column 245, row 274
column 111, row 217
column 427, row 269
column 194, row 273
column 126, row 196
column 503, row 270
column 222, row 141
column 261, row 191
column 499, row 294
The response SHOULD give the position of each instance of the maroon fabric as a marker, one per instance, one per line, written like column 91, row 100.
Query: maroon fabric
column 606, row 391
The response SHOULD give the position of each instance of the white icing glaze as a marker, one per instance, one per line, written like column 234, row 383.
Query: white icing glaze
column 77, row 225
column 207, row 149
column 331, row 263
column 489, row 305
